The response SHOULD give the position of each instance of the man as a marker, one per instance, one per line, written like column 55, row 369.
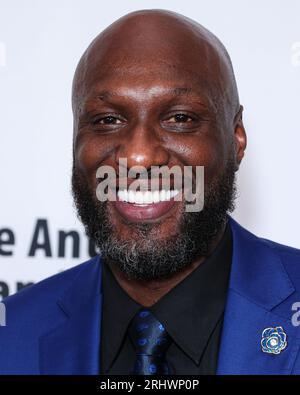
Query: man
column 174, row 291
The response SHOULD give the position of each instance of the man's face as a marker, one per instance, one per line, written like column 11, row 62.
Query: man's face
column 153, row 112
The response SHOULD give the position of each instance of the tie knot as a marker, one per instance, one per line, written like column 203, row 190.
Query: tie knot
column 148, row 335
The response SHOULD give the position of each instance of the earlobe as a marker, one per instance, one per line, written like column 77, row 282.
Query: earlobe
column 240, row 137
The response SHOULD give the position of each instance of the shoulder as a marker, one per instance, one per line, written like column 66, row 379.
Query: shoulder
column 289, row 256
column 51, row 288
column 265, row 252
column 35, row 307
column 35, row 311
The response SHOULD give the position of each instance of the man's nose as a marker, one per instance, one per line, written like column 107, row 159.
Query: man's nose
column 142, row 146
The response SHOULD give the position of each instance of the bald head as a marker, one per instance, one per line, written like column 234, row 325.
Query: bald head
column 152, row 43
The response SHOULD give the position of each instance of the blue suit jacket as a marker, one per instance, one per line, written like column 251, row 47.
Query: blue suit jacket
column 53, row 327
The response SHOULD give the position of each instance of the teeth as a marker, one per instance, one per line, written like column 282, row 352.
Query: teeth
column 148, row 197
column 162, row 195
column 155, row 196
column 173, row 193
column 131, row 197
column 139, row 198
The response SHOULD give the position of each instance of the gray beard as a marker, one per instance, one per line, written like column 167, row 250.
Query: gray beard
column 145, row 257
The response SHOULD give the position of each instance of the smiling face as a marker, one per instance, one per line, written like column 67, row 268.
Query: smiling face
column 158, row 90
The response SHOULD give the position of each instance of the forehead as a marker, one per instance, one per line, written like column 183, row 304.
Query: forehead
column 144, row 59
column 146, row 81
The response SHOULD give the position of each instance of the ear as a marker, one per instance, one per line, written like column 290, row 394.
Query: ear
column 240, row 137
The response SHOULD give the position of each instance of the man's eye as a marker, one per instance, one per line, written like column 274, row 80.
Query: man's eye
column 109, row 120
column 180, row 118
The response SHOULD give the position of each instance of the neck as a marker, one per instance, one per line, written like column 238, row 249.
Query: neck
column 148, row 292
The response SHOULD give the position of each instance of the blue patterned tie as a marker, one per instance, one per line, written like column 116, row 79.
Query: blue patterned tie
column 151, row 342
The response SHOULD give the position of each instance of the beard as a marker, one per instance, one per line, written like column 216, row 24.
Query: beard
column 145, row 256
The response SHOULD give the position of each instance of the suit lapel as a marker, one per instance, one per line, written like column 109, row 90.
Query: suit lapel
column 73, row 346
column 258, row 283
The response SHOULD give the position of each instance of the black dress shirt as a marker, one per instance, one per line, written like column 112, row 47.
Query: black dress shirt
column 192, row 313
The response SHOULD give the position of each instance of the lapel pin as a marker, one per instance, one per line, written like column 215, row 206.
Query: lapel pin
column 273, row 340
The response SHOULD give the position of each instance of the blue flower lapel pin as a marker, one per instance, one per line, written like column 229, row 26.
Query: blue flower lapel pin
column 273, row 340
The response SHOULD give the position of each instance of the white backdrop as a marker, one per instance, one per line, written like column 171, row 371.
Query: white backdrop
column 40, row 44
